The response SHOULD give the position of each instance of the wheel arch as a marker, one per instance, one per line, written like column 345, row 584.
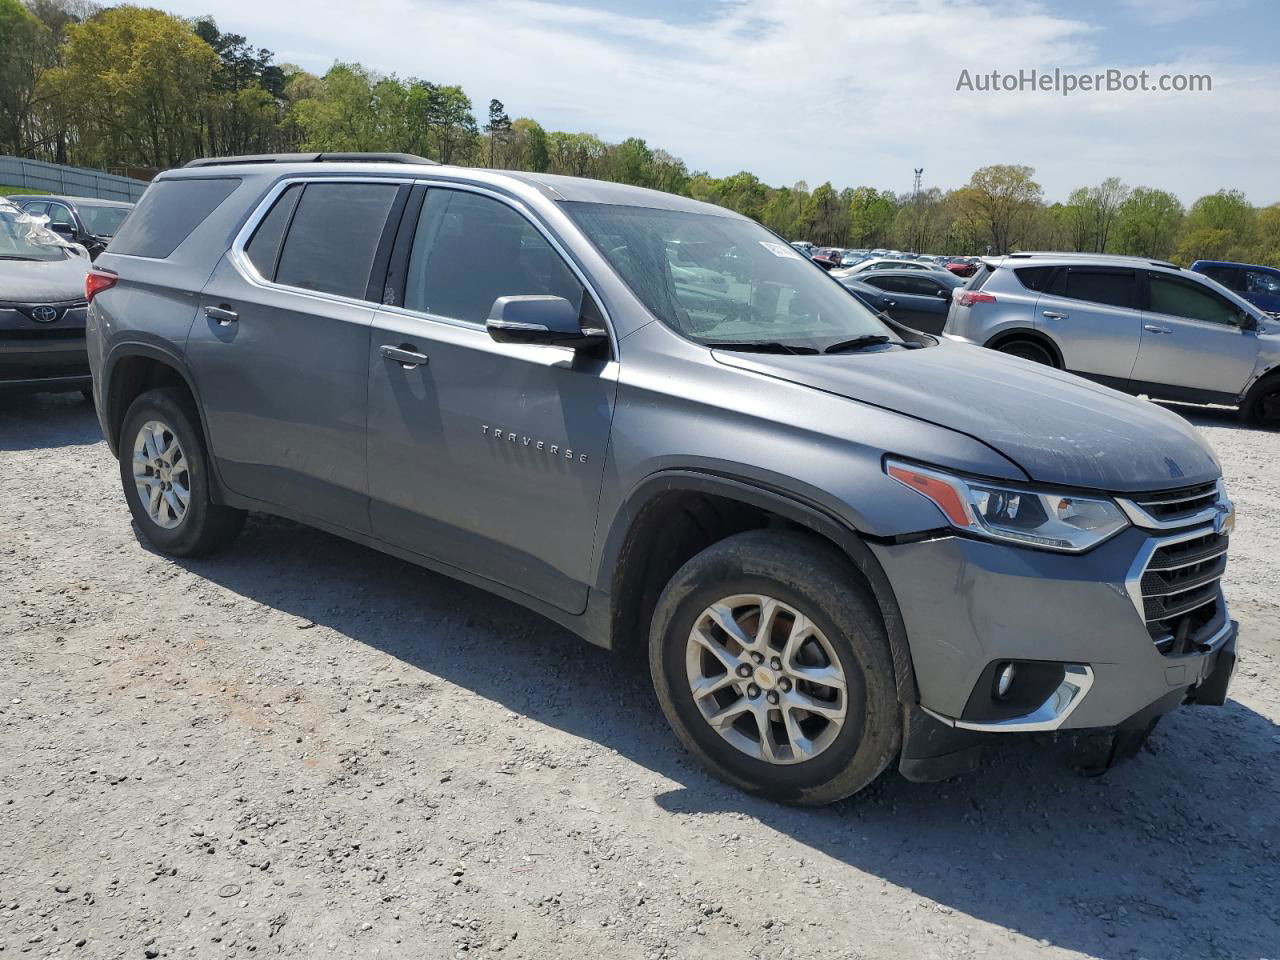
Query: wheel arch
column 1032, row 335
column 644, row 548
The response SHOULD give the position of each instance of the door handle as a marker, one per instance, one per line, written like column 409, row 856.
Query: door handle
column 1055, row 315
column 1152, row 328
column 404, row 355
column 223, row 314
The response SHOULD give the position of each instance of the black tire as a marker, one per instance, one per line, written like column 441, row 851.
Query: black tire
column 1262, row 405
column 814, row 578
column 1028, row 350
column 206, row 526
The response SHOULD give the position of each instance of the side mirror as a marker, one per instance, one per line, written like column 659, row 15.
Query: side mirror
column 1248, row 322
column 546, row 321
column 63, row 229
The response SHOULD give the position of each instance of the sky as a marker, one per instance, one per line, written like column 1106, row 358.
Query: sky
column 848, row 91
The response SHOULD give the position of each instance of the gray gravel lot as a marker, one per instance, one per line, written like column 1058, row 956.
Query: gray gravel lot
column 305, row 748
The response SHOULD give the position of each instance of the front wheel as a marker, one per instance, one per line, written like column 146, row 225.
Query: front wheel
column 165, row 473
column 1263, row 403
column 771, row 663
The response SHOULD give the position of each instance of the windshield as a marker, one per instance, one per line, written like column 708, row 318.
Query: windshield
column 102, row 221
column 722, row 280
column 25, row 238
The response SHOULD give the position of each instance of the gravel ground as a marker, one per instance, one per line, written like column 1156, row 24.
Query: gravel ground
column 305, row 748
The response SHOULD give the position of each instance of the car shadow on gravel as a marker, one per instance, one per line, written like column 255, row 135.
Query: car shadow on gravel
column 32, row 421
column 1172, row 854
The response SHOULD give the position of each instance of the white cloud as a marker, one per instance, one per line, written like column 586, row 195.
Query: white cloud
column 852, row 91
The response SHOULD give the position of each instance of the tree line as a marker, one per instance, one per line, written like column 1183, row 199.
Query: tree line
column 134, row 87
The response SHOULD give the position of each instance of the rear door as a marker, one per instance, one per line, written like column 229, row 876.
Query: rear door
column 1091, row 313
column 280, row 343
column 487, row 456
column 1193, row 345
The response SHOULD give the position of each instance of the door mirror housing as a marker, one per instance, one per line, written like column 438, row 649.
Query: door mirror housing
column 1248, row 322
column 63, row 230
column 541, row 320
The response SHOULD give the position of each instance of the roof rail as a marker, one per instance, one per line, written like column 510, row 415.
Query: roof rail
column 1076, row 255
column 311, row 158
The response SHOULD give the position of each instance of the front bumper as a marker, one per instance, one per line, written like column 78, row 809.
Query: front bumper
column 43, row 356
column 968, row 603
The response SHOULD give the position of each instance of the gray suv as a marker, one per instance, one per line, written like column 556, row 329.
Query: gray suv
column 844, row 543
column 1143, row 326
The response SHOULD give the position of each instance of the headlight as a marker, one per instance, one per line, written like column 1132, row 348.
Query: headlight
column 1036, row 518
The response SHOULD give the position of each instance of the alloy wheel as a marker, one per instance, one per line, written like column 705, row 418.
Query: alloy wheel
column 160, row 474
column 766, row 678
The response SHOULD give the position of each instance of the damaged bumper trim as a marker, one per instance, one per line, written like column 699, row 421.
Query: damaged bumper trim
column 1050, row 715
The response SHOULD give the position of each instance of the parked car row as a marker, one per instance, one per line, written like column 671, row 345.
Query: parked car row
column 836, row 258
column 84, row 220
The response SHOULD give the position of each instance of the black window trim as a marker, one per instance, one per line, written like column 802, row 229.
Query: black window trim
column 404, row 242
column 1144, row 299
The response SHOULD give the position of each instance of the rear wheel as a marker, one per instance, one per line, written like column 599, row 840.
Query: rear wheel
column 771, row 663
column 1028, row 350
column 164, row 470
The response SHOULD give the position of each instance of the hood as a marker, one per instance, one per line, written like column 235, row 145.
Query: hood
column 43, row 281
column 1057, row 427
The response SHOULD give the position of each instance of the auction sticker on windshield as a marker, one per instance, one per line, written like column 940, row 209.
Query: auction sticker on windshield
column 780, row 250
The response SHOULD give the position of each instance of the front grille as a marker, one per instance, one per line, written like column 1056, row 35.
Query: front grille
column 1172, row 505
column 43, row 333
column 1181, row 594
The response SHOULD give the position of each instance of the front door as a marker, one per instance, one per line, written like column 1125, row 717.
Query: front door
column 486, row 456
column 1193, row 345
column 278, row 349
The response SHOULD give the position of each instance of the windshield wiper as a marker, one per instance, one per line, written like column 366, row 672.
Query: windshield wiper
column 10, row 256
column 759, row 346
column 857, row 343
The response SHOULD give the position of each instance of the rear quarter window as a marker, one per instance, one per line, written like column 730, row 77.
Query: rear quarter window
column 1034, row 278
column 168, row 213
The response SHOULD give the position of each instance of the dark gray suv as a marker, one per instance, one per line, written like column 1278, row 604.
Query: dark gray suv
column 846, row 544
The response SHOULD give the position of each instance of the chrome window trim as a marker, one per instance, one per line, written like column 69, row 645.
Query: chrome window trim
column 244, row 266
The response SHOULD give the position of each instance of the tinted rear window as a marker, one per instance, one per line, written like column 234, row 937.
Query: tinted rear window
column 167, row 213
column 1115, row 288
column 334, row 237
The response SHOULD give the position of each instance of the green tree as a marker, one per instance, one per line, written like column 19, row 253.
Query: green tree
column 27, row 50
column 632, row 162
column 1147, row 224
column 135, row 83
column 1219, row 226
column 498, row 130
column 448, row 121
column 871, row 216
column 1004, row 198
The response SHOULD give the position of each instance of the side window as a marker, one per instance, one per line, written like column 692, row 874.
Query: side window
column 58, row 213
column 1182, row 298
column 36, row 209
column 1034, row 278
column 1224, row 275
column 334, row 236
column 884, row 283
column 469, row 249
column 168, row 213
column 921, row 286
column 1255, row 281
column 1115, row 288
column 264, row 246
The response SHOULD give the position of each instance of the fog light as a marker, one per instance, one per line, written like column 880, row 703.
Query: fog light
column 1004, row 681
